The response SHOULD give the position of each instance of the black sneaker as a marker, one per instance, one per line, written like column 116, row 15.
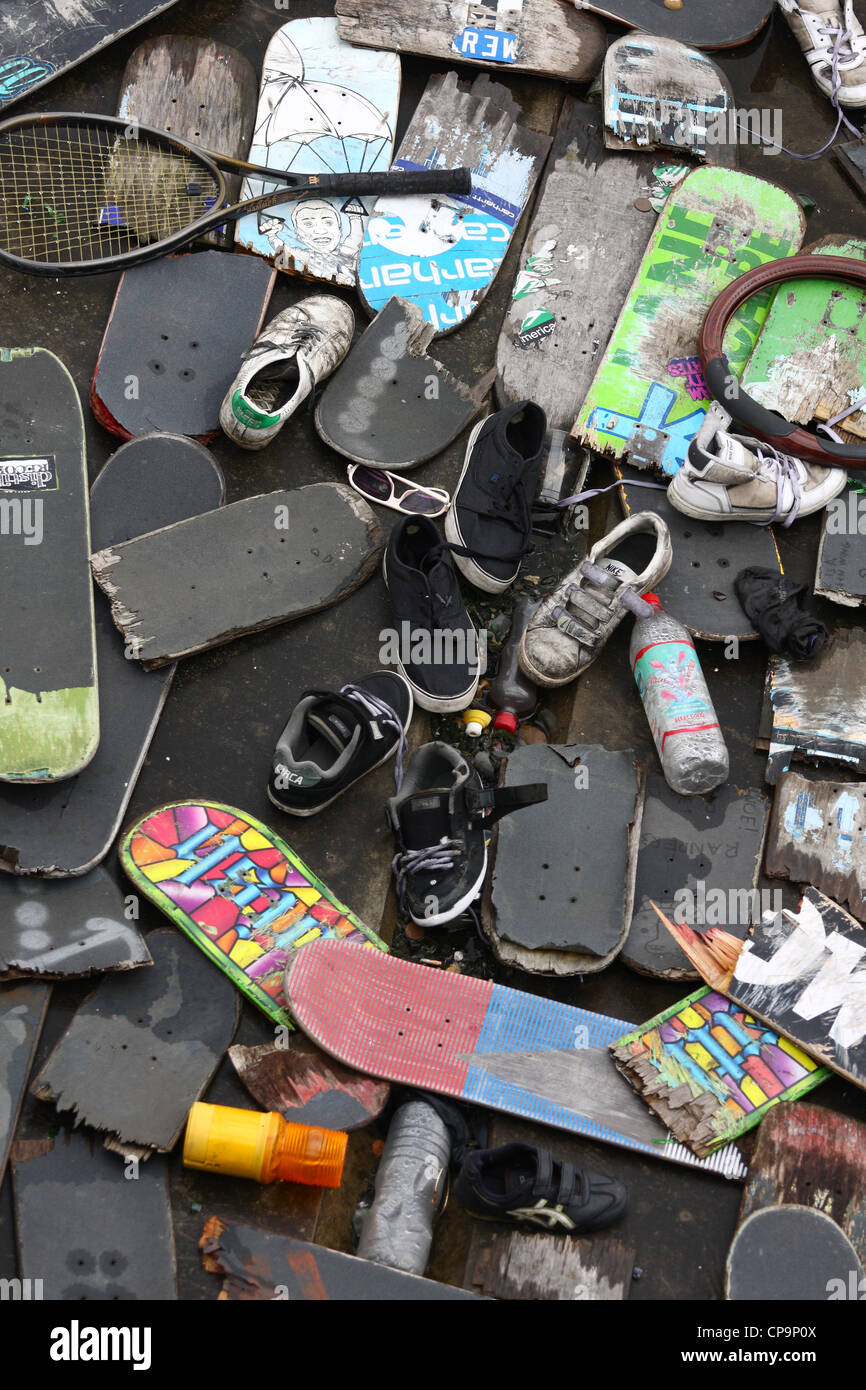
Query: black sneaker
column 440, row 817
column 489, row 522
column 334, row 739
column 529, row 1186
column 437, row 647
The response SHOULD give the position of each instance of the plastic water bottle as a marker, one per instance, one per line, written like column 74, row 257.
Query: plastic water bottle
column 411, row 1178
column 511, row 692
column 693, row 754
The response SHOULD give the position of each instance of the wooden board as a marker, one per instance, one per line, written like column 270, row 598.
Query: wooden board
column 519, row 1266
column 852, row 159
column 443, row 253
column 199, row 91
column 710, row 1071
column 659, row 94
column 537, row 36
column 303, row 1085
column 785, row 1254
column 576, row 268
column 40, row 39
column 62, row 928
column 698, row 857
column 480, row 1042
column 840, row 570
column 818, row 708
column 49, row 699
column 246, row 567
column 22, row 1013
column 648, row 397
column 169, row 352
column 389, row 404
column 818, row 836
column 260, row 1265
column 723, row 24
column 237, row 890
column 324, row 108
column 84, row 1231
column 142, row 1048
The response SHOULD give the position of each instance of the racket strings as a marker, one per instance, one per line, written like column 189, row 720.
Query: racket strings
column 77, row 192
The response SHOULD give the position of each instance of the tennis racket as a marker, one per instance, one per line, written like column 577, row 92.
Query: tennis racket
column 81, row 194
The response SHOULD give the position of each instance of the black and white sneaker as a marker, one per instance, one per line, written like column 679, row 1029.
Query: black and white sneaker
column 529, row 1187
column 489, row 522
column 440, row 818
column 334, row 738
column 437, row 647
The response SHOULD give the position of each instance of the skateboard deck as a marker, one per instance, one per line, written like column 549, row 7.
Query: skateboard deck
column 22, row 1013
column 304, row 1086
column 536, row 36
column 57, row 930
column 324, row 108
column 840, row 572
column 40, row 39
column 49, row 699
column 369, row 409
column 141, row 1049
column 659, row 94
column 852, row 159
column 817, row 709
column 517, row 1266
column 442, row 253
column 243, row 568
column 719, row 25
column 573, row 279
column 817, row 837
column 238, row 891
column 785, row 1253
column 169, row 352
column 68, row 827
column 649, row 397
column 198, row 90
column 479, row 1042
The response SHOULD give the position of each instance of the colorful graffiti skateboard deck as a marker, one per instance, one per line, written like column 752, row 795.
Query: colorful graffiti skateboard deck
column 537, row 36
column 238, row 890
column 49, row 700
column 659, row 94
column 443, row 253
column 198, row 90
column 649, row 397
column 169, row 352
column 477, row 1041
column 719, row 25
column 324, row 108
column 68, row 828
column 40, row 39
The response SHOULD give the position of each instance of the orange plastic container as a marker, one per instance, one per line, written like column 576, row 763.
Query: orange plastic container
column 250, row 1144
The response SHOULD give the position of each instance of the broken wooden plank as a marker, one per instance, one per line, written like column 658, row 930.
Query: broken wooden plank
column 22, row 1013
column 819, row 707
column 780, row 1254
column 302, row 1084
column 516, row 1265
column 818, row 836
column 58, row 929
column 659, row 94
column 243, row 568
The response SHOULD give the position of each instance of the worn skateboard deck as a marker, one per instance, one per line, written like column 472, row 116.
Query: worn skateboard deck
column 83, row 1230
column 262, row 1265
column 68, row 827
column 169, row 353
column 22, row 1013
column 238, row 890
column 817, row 709
column 304, row 1086
column 852, row 159
column 575, row 273
column 477, row 1041
column 698, row 856
column 40, row 39
column 324, row 108
column 788, row 1253
column 59, row 930
column 536, row 36
column 198, row 90
column 517, row 1266
column 659, row 94
column 649, row 397
column 718, row 25
column 710, row 1071
column 248, row 566
column 818, row 836
column 141, row 1049
column 49, row 700
column 443, row 253
column 840, row 570
column 370, row 412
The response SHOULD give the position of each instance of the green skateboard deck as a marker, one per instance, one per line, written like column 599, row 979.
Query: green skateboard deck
column 49, row 701
column 238, row 890
column 648, row 397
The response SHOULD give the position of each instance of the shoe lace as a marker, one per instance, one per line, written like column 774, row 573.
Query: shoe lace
column 508, row 503
column 438, row 570
column 782, row 468
column 386, row 714
column 848, row 50
column 413, row 861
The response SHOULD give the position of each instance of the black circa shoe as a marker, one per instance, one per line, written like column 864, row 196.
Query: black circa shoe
column 529, row 1186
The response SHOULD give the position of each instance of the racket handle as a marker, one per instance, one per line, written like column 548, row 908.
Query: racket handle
column 397, row 181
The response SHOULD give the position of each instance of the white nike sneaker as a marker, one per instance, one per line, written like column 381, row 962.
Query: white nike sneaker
column 832, row 38
column 296, row 350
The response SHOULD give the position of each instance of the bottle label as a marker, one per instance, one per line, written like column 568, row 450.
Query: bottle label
column 673, row 690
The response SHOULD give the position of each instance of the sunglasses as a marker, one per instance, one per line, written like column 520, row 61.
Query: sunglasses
column 389, row 490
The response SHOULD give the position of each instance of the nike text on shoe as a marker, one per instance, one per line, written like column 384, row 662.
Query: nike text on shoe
column 488, row 524
column 334, row 738
column 569, row 629
column 529, row 1187
column 832, row 38
column 297, row 350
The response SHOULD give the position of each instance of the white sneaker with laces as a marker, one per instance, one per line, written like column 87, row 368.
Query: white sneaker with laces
column 296, row 350
column 832, row 38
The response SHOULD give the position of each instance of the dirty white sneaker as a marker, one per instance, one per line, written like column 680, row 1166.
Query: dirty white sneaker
column 568, row 630
column 832, row 38
column 732, row 477
column 296, row 350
